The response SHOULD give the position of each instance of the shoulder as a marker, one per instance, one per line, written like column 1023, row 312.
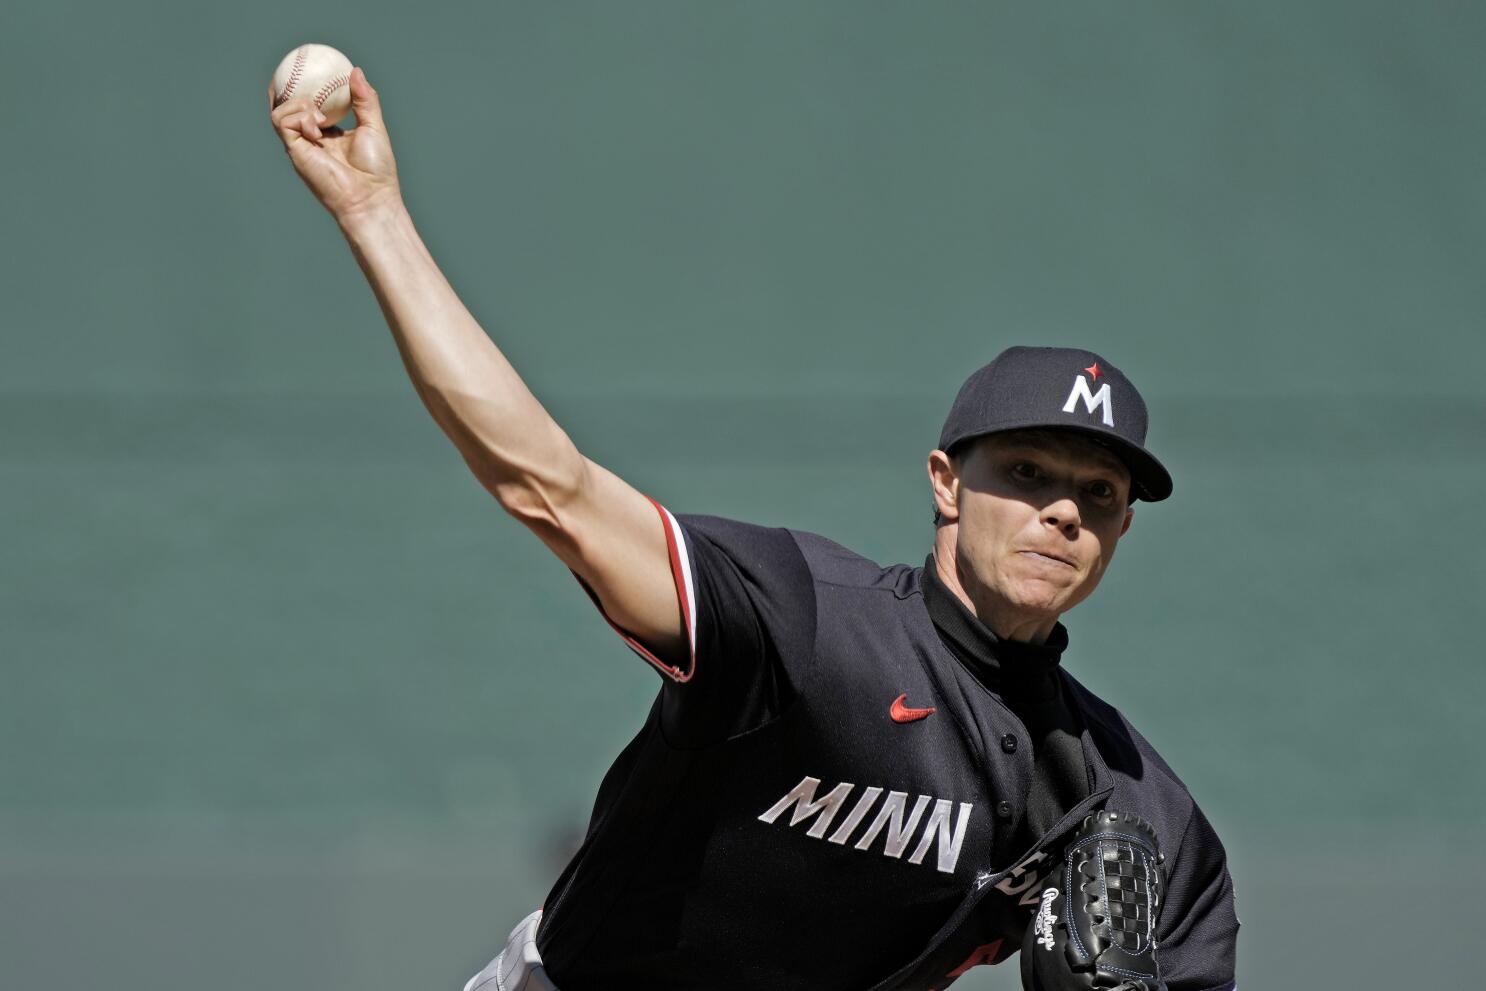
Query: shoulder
column 824, row 560
column 832, row 564
column 1123, row 747
column 1143, row 779
column 745, row 547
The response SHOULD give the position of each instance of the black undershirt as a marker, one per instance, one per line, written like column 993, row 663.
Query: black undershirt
column 1024, row 676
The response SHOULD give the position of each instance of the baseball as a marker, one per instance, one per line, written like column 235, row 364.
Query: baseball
column 320, row 73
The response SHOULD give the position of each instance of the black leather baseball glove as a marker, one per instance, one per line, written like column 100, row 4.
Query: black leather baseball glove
column 1096, row 924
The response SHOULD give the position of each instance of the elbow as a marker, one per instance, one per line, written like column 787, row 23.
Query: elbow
column 546, row 498
column 519, row 455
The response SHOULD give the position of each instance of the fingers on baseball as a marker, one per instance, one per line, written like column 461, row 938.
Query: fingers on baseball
column 298, row 118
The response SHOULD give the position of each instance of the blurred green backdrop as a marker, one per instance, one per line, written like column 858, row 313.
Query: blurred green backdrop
column 287, row 701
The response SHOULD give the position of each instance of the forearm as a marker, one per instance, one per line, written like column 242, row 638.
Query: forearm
column 505, row 435
column 605, row 531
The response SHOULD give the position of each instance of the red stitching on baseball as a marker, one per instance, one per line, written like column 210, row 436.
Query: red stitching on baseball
column 300, row 55
column 329, row 88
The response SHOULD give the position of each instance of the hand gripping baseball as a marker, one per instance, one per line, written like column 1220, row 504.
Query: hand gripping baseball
column 1096, row 925
column 348, row 171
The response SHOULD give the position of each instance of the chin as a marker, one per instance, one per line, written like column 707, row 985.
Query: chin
column 1043, row 600
column 1064, row 600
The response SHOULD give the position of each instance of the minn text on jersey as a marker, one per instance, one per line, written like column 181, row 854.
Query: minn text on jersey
column 895, row 822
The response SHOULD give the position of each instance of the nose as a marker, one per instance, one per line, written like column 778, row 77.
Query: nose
column 1063, row 516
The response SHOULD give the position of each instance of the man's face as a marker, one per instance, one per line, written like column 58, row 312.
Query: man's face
column 1039, row 513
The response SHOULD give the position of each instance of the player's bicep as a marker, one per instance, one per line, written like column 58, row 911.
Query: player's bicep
column 623, row 548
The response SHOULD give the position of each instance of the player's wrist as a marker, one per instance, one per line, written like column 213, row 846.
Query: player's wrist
column 375, row 215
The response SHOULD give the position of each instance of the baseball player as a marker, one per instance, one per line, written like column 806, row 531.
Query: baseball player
column 852, row 776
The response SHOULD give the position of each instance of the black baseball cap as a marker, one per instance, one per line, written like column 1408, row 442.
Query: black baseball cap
column 1062, row 389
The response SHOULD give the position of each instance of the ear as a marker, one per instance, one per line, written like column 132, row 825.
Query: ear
column 945, row 482
column 1129, row 518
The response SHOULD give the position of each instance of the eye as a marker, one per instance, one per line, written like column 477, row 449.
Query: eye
column 1102, row 490
column 1025, row 470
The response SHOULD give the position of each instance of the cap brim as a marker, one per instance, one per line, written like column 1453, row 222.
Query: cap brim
column 1149, row 479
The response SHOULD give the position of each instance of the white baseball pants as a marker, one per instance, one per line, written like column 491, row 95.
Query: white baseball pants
column 519, row 966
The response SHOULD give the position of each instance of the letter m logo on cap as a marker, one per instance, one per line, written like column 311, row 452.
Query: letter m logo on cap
column 1092, row 400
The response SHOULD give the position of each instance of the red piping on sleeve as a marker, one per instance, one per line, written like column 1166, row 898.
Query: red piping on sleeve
column 679, row 577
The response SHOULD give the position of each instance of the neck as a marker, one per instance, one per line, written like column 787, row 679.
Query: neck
column 1004, row 618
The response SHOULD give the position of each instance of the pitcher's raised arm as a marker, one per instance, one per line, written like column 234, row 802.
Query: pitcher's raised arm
column 609, row 534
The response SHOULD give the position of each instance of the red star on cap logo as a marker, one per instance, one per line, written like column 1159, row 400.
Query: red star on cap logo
column 1094, row 371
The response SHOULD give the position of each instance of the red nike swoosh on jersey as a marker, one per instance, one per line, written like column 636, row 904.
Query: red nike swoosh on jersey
column 904, row 714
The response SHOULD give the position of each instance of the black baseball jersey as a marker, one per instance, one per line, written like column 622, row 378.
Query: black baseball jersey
column 846, row 787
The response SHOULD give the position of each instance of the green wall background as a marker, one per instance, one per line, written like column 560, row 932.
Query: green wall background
column 287, row 701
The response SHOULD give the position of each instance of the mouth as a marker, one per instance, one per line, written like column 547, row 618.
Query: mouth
column 1048, row 557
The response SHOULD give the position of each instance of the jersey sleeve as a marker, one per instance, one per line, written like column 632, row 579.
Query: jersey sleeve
column 1198, row 931
column 747, row 599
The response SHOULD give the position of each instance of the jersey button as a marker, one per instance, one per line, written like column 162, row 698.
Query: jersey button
column 1008, row 743
column 1003, row 810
